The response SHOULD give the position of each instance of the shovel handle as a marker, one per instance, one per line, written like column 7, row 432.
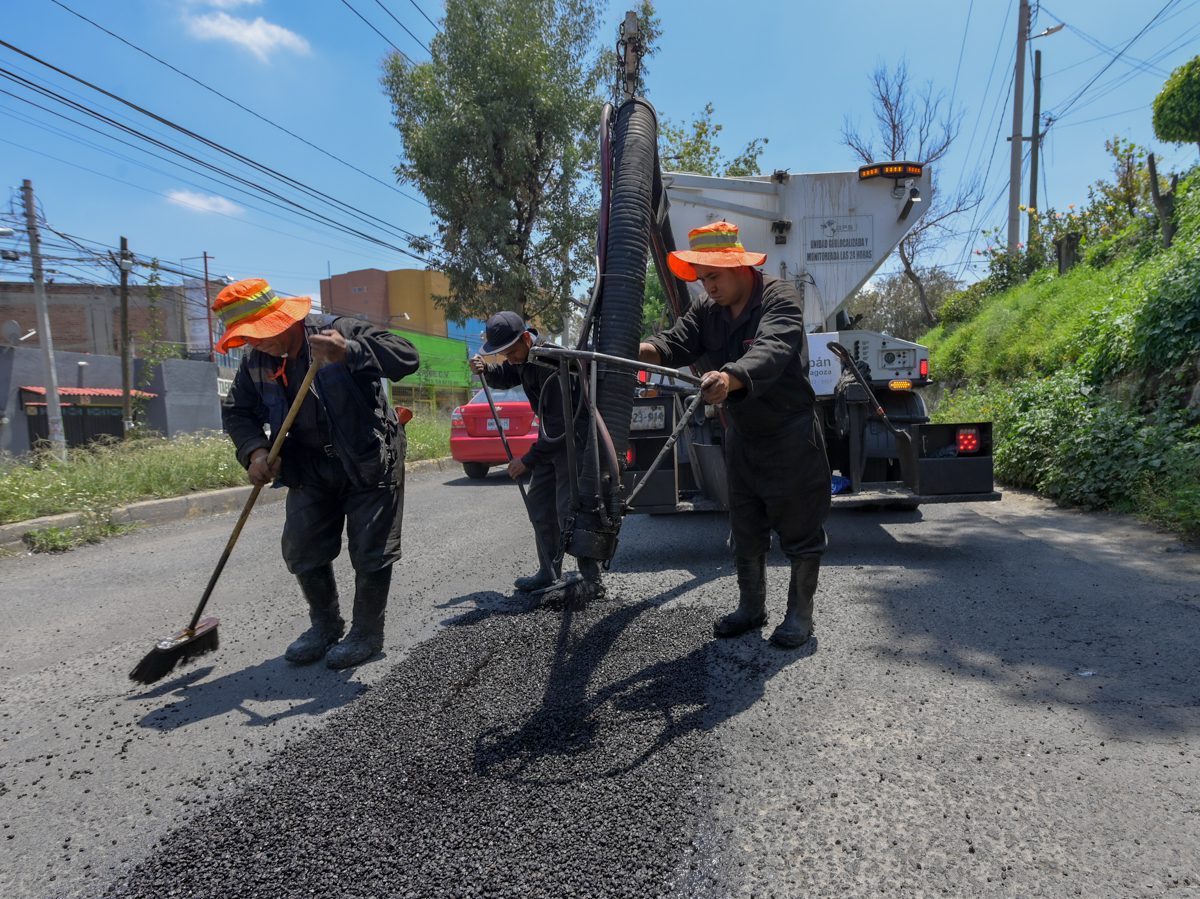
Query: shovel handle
column 276, row 445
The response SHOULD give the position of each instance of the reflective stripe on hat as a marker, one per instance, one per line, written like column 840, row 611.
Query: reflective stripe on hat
column 246, row 307
column 702, row 241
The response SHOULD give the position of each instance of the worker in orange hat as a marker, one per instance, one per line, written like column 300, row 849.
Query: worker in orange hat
column 343, row 458
column 750, row 330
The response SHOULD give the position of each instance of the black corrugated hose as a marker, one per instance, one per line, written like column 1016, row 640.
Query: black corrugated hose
column 618, row 332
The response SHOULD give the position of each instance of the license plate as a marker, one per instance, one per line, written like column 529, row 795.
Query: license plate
column 648, row 418
column 491, row 424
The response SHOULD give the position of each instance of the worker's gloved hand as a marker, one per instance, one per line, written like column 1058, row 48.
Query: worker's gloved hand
column 714, row 386
column 328, row 346
column 259, row 472
column 477, row 364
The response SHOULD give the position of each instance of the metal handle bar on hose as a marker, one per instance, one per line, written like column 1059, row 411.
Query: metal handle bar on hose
column 615, row 361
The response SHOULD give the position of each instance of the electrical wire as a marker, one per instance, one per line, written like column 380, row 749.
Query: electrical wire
column 387, row 39
column 405, row 27
column 1061, row 111
column 220, row 147
column 240, row 106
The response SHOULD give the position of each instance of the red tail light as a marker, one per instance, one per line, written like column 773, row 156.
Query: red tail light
column 535, row 424
column 924, row 368
column 968, row 440
column 629, row 454
column 642, row 376
column 456, row 420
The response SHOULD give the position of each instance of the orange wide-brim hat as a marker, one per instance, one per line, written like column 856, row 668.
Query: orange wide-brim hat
column 716, row 245
column 251, row 309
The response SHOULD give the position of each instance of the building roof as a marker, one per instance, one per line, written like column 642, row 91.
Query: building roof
column 92, row 391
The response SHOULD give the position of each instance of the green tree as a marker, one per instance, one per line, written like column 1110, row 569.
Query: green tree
column 694, row 147
column 890, row 303
column 498, row 132
column 1177, row 106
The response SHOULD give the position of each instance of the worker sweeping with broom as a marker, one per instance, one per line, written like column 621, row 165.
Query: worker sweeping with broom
column 342, row 459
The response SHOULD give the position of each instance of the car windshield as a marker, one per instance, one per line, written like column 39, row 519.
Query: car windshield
column 511, row 395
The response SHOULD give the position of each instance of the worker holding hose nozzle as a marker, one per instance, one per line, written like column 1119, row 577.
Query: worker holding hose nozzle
column 749, row 334
column 342, row 459
column 549, row 492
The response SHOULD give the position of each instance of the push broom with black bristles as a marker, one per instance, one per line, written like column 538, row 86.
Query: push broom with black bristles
column 200, row 636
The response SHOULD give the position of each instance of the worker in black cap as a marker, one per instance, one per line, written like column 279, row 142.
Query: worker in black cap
column 549, row 490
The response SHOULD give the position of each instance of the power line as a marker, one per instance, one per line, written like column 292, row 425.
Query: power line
column 110, row 152
column 292, row 182
column 240, row 106
column 140, row 187
column 961, row 50
column 387, row 39
column 422, row 12
column 215, row 145
column 1059, row 113
column 297, row 208
column 405, row 27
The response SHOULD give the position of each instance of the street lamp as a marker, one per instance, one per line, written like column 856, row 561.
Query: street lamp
column 1051, row 30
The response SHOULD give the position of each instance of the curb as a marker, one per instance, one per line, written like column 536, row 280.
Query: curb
column 174, row 508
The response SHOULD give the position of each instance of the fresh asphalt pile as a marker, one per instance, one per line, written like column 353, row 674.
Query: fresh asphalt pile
column 545, row 752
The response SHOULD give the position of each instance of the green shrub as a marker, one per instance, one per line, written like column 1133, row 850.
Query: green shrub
column 963, row 305
column 1177, row 106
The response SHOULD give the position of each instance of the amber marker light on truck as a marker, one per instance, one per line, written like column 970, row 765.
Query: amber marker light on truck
column 968, row 440
column 890, row 170
column 899, row 385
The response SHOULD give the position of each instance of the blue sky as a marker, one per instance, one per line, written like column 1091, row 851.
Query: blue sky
column 790, row 72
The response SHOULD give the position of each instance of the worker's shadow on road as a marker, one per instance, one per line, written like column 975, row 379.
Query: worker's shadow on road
column 633, row 682
column 253, row 695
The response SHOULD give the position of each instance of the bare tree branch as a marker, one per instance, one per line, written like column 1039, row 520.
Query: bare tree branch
column 912, row 126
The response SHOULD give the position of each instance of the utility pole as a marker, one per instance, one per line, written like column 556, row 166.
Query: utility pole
column 53, row 411
column 124, row 263
column 1035, row 143
column 1014, row 166
column 208, row 309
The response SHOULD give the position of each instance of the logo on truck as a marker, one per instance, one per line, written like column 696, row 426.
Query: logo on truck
column 847, row 238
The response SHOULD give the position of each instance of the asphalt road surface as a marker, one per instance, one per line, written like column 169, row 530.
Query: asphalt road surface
column 1002, row 701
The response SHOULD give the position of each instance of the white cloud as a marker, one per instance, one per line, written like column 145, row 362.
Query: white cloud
column 230, row 4
column 203, row 202
column 260, row 37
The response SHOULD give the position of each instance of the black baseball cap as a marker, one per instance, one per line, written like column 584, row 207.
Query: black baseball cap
column 502, row 331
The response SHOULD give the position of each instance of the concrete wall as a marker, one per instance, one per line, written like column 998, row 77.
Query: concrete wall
column 361, row 294
column 411, row 292
column 86, row 318
column 187, row 391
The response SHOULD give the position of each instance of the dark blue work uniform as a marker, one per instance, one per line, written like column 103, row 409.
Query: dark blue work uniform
column 343, row 457
column 775, row 456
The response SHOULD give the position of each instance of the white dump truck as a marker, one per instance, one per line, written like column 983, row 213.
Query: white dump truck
column 827, row 233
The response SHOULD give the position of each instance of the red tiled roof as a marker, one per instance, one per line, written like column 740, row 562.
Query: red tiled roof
column 91, row 391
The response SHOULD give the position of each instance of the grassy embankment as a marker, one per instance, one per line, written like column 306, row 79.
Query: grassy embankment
column 97, row 480
column 1088, row 376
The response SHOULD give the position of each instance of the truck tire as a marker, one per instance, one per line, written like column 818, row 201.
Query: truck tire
column 476, row 471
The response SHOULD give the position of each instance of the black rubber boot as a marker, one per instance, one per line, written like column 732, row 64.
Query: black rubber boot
column 366, row 631
column 543, row 578
column 797, row 625
column 752, row 598
column 320, row 590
